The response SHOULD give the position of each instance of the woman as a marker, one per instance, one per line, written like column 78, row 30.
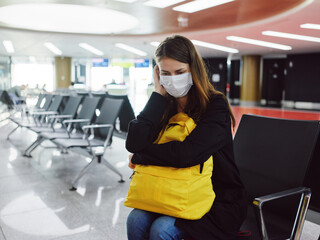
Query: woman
column 182, row 85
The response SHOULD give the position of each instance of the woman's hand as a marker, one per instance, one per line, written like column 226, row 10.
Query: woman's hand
column 131, row 165
column 156, row 79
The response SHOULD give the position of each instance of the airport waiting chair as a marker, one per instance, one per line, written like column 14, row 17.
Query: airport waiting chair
column 126, row 112
column 68, row 112
column 273, row 156
column 72, row 127
column 96, row 138
column 41, row 117
column 43, row 102
column 46, row 106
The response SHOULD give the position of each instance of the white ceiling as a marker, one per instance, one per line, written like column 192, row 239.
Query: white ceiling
column 30, row 43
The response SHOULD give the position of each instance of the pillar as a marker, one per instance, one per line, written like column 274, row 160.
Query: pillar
column 63, row 72
column 250, row 91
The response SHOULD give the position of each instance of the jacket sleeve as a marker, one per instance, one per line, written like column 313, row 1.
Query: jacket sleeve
column 144, row 129
column 210, row 135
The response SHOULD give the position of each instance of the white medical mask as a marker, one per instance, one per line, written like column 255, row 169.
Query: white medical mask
column 177, row 85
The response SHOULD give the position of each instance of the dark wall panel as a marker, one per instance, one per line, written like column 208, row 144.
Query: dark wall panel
column 273, row 80
column 217, row 72
column 235, row 79
column 303, row 78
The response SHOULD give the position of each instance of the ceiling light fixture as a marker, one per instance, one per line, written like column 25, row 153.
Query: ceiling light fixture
column 215, row 46
column 310, row 26
column 162, row 3
column 291, row 36
column 53, row 48
column 56, row 18
column 131, row 49
column 8, row 46
column 199, row 5
column 259, row 43
column 126, row 1
column 155, row 44
column 91, row 49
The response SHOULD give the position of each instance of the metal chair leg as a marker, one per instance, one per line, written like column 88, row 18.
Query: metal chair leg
column 83, row 171
column 35, row 144
column 112, row 168
column 12, row 132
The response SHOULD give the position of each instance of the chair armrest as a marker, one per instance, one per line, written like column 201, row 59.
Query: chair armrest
column 301, row 211
column 45, row 113
column 60, row 116
column 91, row 127
column 97, row 126
column 37, row 110
column 76, row 120
column 71, row 121
column 259, row 201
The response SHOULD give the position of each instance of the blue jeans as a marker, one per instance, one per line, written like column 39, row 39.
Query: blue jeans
column 143, row 225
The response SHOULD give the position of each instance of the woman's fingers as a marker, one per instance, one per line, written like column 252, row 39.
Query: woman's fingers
column 156, row 80
column 131, row 165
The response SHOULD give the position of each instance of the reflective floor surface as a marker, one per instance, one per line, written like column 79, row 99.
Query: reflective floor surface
column 35, row 203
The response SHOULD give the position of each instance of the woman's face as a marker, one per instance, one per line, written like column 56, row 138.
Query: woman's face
column 171, row 67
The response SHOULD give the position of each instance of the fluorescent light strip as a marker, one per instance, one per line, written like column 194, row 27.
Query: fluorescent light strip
column 291, row 36
column 90, row 49
column 215, row 46
column 155, row 44
column 131, row 49
column 127, row 1
column 199, row 5
column 162, row 3
column 310, row 26
column 259, row 43
column 8, row 46
column 53, row 48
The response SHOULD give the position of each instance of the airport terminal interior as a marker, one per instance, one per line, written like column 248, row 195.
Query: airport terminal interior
column 95, row 60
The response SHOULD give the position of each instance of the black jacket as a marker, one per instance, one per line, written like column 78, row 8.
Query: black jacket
column 212, row 136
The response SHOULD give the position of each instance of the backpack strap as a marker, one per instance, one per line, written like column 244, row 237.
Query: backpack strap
column 201, row 167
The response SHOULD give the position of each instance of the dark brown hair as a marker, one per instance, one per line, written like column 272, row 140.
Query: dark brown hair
column 182, row 49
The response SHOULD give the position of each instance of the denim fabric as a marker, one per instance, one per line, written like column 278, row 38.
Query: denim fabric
column 143, row 225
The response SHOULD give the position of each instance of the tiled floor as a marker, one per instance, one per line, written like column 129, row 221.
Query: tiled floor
column 35, row 203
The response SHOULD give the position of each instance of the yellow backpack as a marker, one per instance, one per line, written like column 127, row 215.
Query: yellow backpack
column 179, row 192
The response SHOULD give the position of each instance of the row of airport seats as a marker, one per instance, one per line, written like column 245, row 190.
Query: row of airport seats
column 83, row 123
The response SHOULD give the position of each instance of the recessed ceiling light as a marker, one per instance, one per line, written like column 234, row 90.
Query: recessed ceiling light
column 91, row 49
column 162, row 3
column 215, row 46
column 53, row 48
column 259, row 43
column 291, row 36
column 8, row 46
column 199, row 5
column 131, row 49
column 155, row 44
column 56, row 18
column 310, row 26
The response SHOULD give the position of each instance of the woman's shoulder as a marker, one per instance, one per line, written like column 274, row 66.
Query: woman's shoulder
column 218, row 99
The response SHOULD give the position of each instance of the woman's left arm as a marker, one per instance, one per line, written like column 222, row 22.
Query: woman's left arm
column 210, row 135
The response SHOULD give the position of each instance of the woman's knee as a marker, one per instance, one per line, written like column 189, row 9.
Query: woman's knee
column 163, row 228
column 138, row 223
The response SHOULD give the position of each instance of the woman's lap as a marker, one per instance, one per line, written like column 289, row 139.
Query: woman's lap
column 143, row 225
